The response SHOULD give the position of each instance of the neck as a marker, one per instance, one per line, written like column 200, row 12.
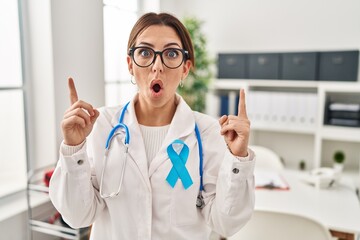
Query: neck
column 149, row 114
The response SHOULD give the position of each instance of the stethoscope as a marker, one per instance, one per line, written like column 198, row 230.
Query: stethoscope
column 199, row 202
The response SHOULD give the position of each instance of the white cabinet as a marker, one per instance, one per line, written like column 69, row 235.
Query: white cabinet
column 288, row 117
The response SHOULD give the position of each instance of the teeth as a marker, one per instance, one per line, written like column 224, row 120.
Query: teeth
column 156, row 88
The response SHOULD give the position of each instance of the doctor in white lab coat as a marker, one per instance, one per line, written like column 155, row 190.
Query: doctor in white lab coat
column 149, row 205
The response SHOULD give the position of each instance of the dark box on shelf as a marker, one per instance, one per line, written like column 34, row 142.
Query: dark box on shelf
column 299, row 66
column 232, row 65
column 338, row 66
column 264, row 66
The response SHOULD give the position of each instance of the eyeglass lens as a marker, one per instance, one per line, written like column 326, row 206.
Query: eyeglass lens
column 170, row 57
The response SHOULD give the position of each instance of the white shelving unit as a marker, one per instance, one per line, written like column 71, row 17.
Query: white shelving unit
column 314, row 142
column 46, row 219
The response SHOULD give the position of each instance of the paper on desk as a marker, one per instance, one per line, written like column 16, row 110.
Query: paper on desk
column 270, row 180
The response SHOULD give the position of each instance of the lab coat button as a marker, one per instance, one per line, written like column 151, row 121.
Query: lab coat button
column 235, row 170
column 80, row 162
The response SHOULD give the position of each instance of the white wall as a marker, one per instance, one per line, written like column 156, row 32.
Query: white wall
column 39, row 81
column 65, row 39
column 62, row 38
column 277, row 25
column 78, row 50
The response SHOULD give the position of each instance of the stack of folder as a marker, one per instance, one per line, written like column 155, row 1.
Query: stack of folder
column 343, row 114
column 282, row 108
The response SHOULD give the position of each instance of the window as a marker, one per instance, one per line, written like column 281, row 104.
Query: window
column 119, row 17
column 12, row 121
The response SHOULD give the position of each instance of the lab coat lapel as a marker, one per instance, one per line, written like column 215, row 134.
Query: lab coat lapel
column 136, row 143
column 182, row 125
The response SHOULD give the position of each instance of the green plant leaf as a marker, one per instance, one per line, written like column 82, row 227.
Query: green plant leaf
column 196, row 84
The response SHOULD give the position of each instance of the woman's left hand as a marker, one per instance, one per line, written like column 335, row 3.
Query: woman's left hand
column 236, row 129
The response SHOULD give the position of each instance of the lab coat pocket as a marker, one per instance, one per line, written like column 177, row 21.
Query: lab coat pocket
column 183, row 206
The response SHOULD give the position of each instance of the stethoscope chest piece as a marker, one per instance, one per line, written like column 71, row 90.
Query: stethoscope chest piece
column 200, row 201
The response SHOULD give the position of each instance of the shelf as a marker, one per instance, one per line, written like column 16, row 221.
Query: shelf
column 302, row 102
column 39, row 188
column 237, row 83
column 337, row 133
column 232, row 84
column 46, row 219
column 283, row 128
column 41, row 224
column 227, row 84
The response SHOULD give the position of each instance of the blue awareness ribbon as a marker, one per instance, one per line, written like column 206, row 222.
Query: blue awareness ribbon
column 179, row 169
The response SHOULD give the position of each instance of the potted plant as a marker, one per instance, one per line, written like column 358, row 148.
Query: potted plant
column 339, row 159
column 195, row 86
column 302, row 165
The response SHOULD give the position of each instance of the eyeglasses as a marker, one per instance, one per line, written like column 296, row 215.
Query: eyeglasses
column 170, row 57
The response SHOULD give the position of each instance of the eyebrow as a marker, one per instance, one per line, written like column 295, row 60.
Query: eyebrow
column 165, row 46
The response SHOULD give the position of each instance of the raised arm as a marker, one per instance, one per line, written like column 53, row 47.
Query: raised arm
column 78, row 119
column 236, row 129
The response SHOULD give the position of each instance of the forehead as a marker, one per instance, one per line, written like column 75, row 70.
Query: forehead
column 159, row 36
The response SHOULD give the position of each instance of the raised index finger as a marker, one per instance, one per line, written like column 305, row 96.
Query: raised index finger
column 73, row 93
column 242, row 105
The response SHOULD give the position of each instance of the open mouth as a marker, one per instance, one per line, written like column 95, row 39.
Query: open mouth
column 156, row 88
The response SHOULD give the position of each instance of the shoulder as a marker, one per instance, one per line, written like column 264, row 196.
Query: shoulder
column 109, row 115
column 205, row 122
column 109, row 112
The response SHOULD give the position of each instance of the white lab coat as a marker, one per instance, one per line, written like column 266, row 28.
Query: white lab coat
column 147, row 206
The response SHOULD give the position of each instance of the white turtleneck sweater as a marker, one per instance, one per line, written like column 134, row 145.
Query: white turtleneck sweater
column 153, row 139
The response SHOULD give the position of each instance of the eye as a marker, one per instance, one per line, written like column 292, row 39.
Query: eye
column 144, row 52
column 172, row 53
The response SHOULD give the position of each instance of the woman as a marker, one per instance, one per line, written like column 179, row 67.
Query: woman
column 148, row 185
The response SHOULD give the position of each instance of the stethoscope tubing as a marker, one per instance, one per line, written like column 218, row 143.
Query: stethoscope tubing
column 112, row 134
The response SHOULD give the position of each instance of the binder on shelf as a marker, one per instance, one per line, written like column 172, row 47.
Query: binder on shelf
column 281, row 102
column 292, row 108
column 345, row 122
column 251, row 106
column 260, row 107
column 224, row 105
column 345, row 114
column 351, row 107
column 307, row 109
column 312, row 103
column 236, row 109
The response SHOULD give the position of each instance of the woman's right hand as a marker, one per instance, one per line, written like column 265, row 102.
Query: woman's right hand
column 78, row 120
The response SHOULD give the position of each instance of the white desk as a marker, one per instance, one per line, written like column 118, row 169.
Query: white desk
column 338, row 207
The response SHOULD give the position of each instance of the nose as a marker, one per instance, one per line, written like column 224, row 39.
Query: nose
column 158, row 65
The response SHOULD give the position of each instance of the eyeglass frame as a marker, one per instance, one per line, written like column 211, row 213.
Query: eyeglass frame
column 160, row 53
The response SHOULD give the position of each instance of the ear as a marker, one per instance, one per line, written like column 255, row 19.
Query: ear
column 186, row 68
column 130, row 65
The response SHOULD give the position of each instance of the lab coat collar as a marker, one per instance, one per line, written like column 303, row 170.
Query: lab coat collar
column 182, row 125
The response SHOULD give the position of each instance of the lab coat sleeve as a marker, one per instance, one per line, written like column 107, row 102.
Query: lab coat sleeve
column 229, row 185
column 73, row 189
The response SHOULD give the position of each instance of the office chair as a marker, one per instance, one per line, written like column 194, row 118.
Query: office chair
column 268, row 225
column 266, row 159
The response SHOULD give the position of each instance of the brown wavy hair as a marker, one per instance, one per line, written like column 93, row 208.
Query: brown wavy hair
column 164, row 19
